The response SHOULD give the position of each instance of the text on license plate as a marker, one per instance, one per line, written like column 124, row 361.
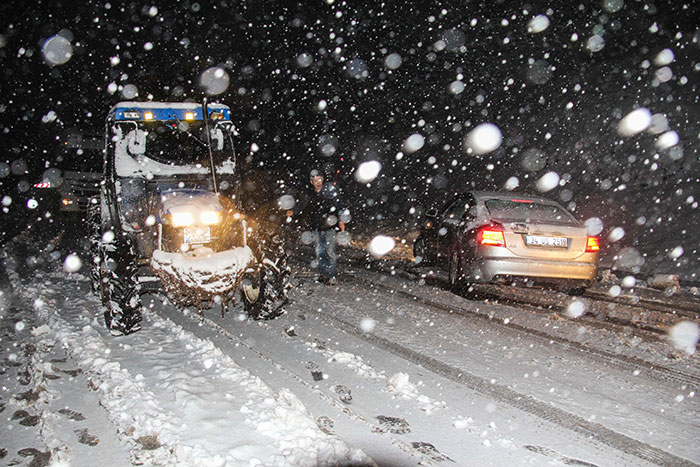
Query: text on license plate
column 533, row 240
column 197, row 235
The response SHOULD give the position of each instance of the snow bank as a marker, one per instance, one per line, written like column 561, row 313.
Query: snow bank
column 204, row 270
column 177, row 399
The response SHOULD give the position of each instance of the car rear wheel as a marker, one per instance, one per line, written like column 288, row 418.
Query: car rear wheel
column 454, row 270
column 420, row 252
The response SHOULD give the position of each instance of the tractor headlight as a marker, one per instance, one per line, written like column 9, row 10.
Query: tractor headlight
column 209, row 217
column 182, row 219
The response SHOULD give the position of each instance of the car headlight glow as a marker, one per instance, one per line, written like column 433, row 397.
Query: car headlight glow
column 182, row 219
column 209, row 217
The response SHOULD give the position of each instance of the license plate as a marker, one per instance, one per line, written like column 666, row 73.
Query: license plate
column 197, row 235
column 558, row 242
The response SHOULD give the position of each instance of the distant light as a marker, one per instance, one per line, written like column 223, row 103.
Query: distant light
column 189, row 115
column 148, row 115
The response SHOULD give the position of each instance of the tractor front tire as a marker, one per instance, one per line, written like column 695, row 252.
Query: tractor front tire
column 265, row 291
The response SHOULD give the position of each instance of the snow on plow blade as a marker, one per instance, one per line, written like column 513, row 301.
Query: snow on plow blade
column 202, row 280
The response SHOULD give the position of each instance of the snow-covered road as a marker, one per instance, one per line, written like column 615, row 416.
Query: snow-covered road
column 356, row 373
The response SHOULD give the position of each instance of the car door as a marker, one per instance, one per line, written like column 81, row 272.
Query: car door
column 451, row 224
column 430, row 230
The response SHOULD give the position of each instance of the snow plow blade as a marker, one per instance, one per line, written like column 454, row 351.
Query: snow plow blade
column 202, row 280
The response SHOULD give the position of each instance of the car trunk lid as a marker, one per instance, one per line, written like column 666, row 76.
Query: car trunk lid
column 545, row 240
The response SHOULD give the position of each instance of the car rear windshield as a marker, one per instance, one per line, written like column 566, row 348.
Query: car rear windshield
column 524, row 210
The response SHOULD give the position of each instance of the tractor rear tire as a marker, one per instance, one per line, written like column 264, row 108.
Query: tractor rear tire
column 119, row 287
column 94, row 218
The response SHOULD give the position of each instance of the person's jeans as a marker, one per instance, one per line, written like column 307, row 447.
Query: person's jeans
column 324, row 245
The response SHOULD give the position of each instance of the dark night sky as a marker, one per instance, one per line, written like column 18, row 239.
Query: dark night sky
column 275, row 92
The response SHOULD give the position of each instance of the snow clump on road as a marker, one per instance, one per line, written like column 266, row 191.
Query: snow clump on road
column 402, row 388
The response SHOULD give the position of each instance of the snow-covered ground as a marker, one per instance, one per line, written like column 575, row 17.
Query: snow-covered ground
column 356, row 374
column 173, row 399
column 593, row 104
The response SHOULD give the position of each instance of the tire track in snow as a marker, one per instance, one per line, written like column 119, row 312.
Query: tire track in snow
column 410, row 448
column 623, row 362
column 681, row 308
column 678, row 309
column 503, row 394
column 87, row 348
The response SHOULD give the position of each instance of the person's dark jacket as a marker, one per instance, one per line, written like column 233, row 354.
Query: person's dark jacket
column 320, row 210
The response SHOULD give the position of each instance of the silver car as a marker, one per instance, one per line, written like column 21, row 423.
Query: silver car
column 486, row 237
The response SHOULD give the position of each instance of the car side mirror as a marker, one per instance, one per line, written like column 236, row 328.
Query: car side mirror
column 432, row 212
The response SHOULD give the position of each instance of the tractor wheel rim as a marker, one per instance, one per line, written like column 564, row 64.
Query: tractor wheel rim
column 251, row 293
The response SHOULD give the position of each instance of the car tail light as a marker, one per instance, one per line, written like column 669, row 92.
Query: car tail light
column 491, row 235
column 592, row 244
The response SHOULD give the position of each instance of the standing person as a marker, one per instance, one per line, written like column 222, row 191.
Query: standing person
column 321, row 210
